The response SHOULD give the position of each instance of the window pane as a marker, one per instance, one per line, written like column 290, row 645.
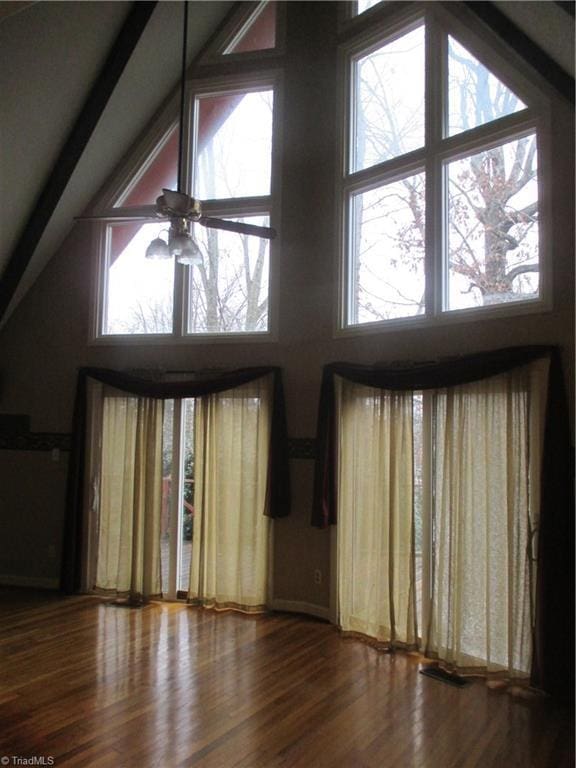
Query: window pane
column 187, row 514
column 259, row 34
column 475, row 95
column 389, row 101
column 493, row 226
column 139, row 291
column 167, row 475
column 387, row 267
column 234, row 145
column 229, row 290
column 364, row 5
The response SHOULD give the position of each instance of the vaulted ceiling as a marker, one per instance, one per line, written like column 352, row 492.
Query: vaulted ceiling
column 52, row 54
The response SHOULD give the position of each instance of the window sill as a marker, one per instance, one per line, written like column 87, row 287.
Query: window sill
column 169, row 340
column 454, row 317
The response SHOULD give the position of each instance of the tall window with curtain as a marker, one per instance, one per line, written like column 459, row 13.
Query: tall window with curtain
column 125, row 466
column 376, row 585
column 129, row 482
column 230, row 549
column 487, row 447
column 434, row 475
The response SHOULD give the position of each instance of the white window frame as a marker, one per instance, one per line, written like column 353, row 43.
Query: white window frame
column 133, row 170
column 434, row 157
column 348, row 12
column 244, row 16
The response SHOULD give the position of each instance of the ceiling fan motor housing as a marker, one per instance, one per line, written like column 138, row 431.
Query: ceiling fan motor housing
column 172, row 203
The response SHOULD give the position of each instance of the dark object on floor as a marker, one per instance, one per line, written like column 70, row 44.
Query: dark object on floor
column 445, row 677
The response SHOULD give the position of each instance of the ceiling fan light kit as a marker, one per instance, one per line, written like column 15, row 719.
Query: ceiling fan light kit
column 158, row 249
column 181, row 245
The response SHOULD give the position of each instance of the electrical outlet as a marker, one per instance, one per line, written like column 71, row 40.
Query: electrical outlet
column 317, row 576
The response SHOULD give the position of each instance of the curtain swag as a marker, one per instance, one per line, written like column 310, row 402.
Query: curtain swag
column 552, row 667
column 278, row 488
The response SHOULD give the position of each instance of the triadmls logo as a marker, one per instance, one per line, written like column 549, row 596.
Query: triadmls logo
column 34, row 760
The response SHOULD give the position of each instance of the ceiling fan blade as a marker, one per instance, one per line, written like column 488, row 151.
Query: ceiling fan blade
column 144, row 218
column 238, row 226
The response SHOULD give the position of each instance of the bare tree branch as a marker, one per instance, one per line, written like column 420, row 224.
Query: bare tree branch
column 521, row 269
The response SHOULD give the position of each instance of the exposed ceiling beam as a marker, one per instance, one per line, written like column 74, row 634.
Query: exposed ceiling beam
column 73, row 148
column 524, row 46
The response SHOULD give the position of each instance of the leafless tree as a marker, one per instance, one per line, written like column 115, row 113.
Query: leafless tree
column 150, row 316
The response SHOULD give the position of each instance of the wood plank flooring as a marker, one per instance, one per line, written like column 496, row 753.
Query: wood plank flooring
column 164, row 686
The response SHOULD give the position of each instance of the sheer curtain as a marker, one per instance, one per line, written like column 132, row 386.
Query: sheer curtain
column 485, row 452
column 130, row 496
column 230, row 550
column 487, row 449
column 375, row 532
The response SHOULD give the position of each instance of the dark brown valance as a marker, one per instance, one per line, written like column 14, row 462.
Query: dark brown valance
column 554, row 631
column 201, row 383
column 198, row 385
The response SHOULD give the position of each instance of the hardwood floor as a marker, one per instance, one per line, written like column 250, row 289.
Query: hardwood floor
column 164, row 686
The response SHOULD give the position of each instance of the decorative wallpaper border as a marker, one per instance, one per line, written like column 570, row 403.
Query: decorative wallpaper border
column 298, row 447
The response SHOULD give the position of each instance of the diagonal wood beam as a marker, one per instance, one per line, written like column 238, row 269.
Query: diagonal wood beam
column 524, row 46
column 73, row 148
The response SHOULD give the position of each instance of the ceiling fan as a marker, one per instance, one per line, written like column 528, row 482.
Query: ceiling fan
column 179, row 208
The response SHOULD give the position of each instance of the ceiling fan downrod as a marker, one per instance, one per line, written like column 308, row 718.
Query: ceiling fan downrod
column 179, row 185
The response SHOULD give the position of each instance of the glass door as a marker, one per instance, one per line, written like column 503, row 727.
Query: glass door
column 177, row 527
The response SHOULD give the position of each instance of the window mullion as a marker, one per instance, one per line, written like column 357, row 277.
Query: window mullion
column 182, row 274
column 436, row 84
column 104, row 277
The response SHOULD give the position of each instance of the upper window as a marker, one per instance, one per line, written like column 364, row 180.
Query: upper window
column 388, row 101
column 359, row 6
column 440, row 186
column 233, row 144
column 160, row 171
column 230, row 172
column 258, row 33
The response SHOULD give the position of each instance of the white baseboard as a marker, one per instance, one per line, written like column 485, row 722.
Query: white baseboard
column 37, row 582
column 296, row 606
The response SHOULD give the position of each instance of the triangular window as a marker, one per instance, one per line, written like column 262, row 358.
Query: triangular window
column 160, row 172
column 475, row 95
column 365, row 5
column 258, row 33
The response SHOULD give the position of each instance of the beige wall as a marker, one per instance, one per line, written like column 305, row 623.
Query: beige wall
column 46, row 338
